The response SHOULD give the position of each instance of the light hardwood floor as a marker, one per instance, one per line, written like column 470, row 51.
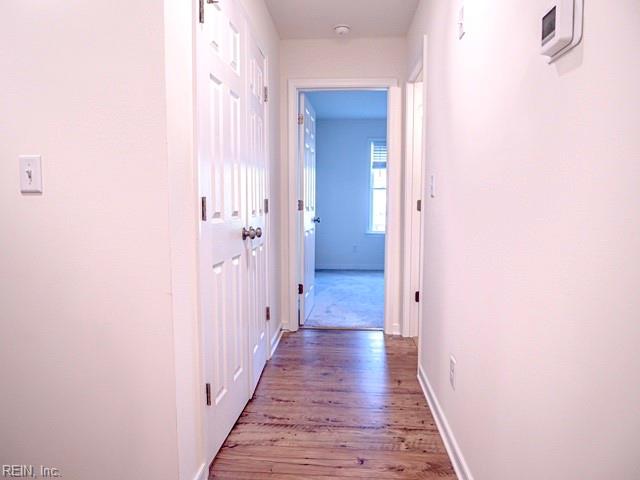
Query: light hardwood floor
column 336, row 404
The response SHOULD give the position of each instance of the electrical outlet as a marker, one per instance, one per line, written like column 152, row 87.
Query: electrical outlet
column 452, row 371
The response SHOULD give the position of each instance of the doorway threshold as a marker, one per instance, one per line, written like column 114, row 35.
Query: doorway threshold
column 348, row 329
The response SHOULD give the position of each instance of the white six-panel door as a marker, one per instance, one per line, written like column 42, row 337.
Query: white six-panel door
column 308, row 152
column 256, row 194
column 231, row 172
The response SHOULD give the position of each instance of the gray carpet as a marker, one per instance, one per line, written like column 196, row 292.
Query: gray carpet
column 348, row 299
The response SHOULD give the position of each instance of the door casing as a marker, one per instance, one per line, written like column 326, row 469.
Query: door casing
column 414, row 191
column 393, row 240
column 421, row 67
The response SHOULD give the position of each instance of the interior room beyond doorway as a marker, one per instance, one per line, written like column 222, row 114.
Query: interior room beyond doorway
column 351, row 203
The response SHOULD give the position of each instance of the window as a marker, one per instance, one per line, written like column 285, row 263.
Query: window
column 378, row 212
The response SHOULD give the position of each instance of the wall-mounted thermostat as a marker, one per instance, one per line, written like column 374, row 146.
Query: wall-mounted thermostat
column 561, row 27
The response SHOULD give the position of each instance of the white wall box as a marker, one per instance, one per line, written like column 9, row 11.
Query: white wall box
column 561, row 27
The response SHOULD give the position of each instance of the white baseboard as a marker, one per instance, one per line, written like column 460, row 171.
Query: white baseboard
column 375, row 268
column 203, row 473
column 276, row 342
column 450, row 443
column 395, row 330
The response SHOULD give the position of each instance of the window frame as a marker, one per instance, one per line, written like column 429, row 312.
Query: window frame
column 370, row 142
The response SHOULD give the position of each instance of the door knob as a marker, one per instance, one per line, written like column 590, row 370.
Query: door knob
column 248, row 233
column 258, row 232
column 315, row 219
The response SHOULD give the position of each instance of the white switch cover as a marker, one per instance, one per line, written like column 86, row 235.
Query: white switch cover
column 30, row 174
column 461, row 30
column 432, row 186
column 452, row 371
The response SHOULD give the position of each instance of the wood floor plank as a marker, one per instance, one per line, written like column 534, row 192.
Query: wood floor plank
column 378, row 400
column 336, row 404
column 351, row 417
column 332, row 461
column 321, row 437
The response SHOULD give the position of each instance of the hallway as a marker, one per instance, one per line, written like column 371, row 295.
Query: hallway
column 348, row 299
column 335, row 404
column 302, row 239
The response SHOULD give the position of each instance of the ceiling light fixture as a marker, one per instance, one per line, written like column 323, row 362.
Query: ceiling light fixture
column 342, row 30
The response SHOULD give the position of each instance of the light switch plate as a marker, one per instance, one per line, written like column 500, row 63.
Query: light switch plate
column 30, row 174
column 452, row 371
column 461, row 30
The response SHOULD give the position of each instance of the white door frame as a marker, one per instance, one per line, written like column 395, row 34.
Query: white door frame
column 414, row 163
column 393, row 237
column 422, row 66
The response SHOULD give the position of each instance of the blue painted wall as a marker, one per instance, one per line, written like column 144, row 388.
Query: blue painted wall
column 342, row 162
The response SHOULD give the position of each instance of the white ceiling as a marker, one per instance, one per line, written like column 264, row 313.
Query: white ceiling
column 367, row 18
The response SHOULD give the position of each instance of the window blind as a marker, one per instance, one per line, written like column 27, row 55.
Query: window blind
column 378, row 154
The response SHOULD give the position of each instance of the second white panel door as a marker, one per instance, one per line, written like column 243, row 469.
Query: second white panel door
column 308, row 155
column 232, row 173
column 256, row 215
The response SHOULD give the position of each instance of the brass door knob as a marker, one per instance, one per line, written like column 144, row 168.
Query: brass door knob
column 258, row 232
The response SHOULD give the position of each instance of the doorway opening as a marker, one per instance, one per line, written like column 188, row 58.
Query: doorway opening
column 414, row 200
column 343, row 153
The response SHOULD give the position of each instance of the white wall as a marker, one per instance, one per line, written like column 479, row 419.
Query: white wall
column 532, row 245
column 328, row 59
column 343, row 167
column 343, row 58
column 86, row 349
column 98, row 329
column 183, row 226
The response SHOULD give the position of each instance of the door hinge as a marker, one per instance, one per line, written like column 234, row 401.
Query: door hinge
column 207, row 389
column 300, row 289
column 201, row 8
column 417, row 297
column 266, row 205
column 268, row 313
column 300, row 119
column 266, row 94
column 203, row 205
column 419, row 205
column 300, row 205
